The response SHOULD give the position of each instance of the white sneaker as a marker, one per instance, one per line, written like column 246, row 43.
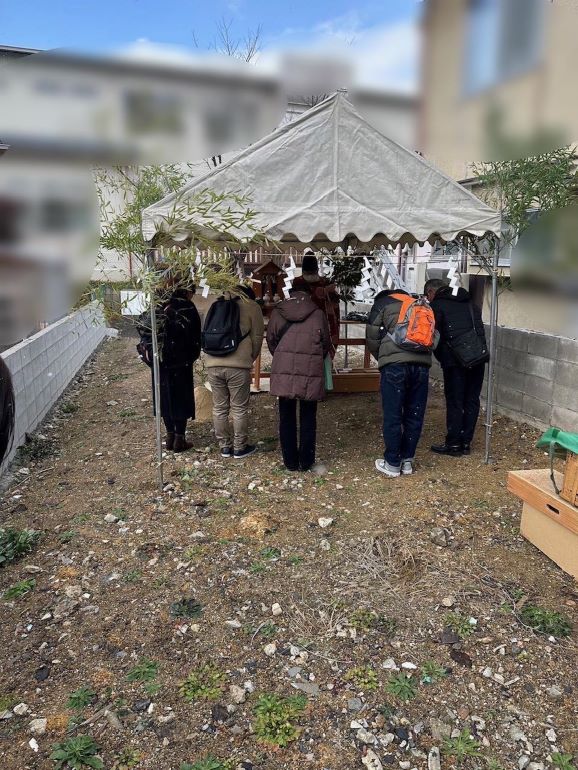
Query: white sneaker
column 406, row 467
column 387, row 469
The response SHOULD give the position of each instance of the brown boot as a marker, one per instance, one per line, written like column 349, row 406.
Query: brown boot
column 181, row 444
column 169, row 441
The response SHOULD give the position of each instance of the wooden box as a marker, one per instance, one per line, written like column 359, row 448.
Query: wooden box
column 570, row 484
column 548, row 522
column 356, row 381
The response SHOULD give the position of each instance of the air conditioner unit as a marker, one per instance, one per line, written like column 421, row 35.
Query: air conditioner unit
column 415, row 277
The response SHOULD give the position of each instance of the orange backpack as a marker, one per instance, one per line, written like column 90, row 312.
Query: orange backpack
column 415, row 327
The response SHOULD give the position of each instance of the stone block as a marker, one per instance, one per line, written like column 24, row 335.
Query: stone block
column 511, row 378
column 513, row 359
column 567, row 375
column 508, row 398
column 538, row 366
column 538, row 410
column 566, row 419
column 566, row 397
column 537, row 387
column 544, row 345
column 568, row 350
column 514, row 339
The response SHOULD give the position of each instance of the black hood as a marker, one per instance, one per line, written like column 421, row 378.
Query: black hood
column 446, row 293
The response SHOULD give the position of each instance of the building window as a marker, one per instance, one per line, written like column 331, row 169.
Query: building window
column 149, row 112
column 504, row 38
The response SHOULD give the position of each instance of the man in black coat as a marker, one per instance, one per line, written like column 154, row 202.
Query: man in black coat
column 455, row 315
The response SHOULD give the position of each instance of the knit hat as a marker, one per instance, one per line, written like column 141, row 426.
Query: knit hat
column 310, row 264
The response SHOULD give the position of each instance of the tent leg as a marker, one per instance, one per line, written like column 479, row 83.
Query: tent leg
column 493, row 348
column 156, row 381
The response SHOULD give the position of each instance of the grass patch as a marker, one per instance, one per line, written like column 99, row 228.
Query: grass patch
column 546, row 621
column 133, row 576
column 68, row 536
column 363, row 677
column 206, row 683
column 275, row 719
column 19, row 589
column 270, row 553
column 15, row 543
column 76, row 753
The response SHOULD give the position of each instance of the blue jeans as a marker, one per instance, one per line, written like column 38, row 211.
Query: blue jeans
column 404, row 390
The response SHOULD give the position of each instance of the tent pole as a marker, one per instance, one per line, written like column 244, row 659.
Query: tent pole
column 152, row 253
column 493, row 348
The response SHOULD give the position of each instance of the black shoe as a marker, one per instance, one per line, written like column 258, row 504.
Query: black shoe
column 466, row 449
column 249, row 449
column 454, row 450
column 226, row 451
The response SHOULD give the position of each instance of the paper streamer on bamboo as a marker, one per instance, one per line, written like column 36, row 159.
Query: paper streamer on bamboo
column 454, row 275
column 290, row 275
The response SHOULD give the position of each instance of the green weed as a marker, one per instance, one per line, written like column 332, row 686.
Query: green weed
column 402, row 686
column 364, row 677
column 186, row 608
column 193, row 551
column 145, row 671
column 275, row 718
column 546, row 621
column 127, row 759
column 432, row 672
column 80, row 699
column 36, row 449
column 19, row 589
column 295, row 560
column 206, row 683
column 459, row 624
column 69, row 407
column 257, row 568
column 270, row 553
column 133, row 576
column 563, row 761
column 77, row 753
column 127, row 413
column 67, row 537
column 268, row 630
column 208, row 763
column 461, row 747
column 15, row 543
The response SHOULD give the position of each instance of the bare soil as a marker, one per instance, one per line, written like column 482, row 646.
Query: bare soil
column 238, row 537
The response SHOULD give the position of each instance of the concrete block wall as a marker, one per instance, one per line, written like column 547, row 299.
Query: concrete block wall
column 43, row 365
column 536, row 378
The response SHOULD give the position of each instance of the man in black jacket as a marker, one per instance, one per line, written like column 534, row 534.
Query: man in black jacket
column 462, row 386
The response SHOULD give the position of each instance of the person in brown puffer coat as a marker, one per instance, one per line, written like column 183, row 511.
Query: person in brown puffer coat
column 298, row 337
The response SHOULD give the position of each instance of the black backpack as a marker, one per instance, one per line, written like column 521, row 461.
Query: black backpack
column 222, row 331
column 470, row 348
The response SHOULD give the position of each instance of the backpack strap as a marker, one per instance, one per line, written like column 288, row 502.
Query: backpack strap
column 406, row 302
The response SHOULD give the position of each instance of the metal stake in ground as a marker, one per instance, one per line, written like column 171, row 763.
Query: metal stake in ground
column 493, row 348
column 152, row 256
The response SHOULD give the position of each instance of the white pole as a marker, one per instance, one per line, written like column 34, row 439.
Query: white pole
column 493, row 348
column 152, row 253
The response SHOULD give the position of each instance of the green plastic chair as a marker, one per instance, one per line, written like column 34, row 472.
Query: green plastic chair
column 559, row 443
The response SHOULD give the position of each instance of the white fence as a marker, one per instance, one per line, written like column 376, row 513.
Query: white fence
column 43, row 365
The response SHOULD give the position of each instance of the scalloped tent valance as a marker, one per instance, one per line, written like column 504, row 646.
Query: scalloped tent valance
column 331, row 172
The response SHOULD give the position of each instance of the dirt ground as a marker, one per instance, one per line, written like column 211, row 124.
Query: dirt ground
column 417, row 583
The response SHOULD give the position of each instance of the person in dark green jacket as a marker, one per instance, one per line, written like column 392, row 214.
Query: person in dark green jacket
column 404, row 386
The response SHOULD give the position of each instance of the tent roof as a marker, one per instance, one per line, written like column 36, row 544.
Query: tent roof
column 329, row 172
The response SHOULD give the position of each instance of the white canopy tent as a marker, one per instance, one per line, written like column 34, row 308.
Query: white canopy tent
column 329, row 175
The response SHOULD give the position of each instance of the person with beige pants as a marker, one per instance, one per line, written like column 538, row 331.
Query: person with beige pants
column 230, row 381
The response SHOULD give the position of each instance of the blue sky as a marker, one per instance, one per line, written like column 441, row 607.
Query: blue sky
column 382, row 33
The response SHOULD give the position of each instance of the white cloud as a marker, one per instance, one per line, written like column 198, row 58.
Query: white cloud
column 383, row 56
